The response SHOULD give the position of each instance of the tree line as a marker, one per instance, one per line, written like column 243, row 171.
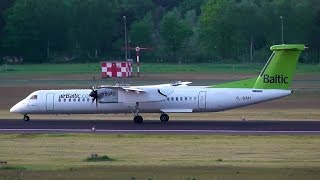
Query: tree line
column 179, row 31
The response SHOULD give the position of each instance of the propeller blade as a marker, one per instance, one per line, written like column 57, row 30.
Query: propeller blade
column 94, row 95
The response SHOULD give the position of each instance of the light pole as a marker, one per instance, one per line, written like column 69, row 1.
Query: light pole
column 281, row 17
column 125, row 37
column 129, row 54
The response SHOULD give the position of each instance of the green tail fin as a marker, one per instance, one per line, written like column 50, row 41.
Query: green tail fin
column 277, row 73
column 279, row 70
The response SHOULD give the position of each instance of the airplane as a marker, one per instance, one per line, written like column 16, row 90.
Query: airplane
column 273, row 82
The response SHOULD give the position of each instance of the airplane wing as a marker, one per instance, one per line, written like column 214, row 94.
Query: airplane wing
column 133, row 89
column 126, row 94
column 180, row 83
column 133, row 94
column 176, row 83
column 123, row 88
column 140, row 88
column 150, row 94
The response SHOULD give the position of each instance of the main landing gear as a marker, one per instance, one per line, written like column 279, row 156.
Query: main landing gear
column 139, row 119
column 26, row 118
column 164, row 117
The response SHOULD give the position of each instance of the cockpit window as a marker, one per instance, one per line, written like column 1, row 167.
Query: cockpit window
column 34, row 97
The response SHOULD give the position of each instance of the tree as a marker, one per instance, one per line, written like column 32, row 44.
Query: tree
column 4, row 4
column 34, row 27
column 235, row 30
column 141, row 35
column 94, row 24
column 250, row 28
column 194, row 5
column 193, row 50
column 314, row 38
column 53, row 19
column 174, row 32
column 168, row 4
column 141, row 32
column 217, row 28
column 21, row 32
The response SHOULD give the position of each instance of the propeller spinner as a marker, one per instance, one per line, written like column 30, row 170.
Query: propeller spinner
column 94, row 95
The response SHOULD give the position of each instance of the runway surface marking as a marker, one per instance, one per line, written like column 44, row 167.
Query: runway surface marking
column 160, row 131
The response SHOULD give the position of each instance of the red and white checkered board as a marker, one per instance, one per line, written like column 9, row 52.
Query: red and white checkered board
column 116, row 69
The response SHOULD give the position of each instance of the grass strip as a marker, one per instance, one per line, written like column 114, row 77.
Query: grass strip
column 56, row 151
column 61, row 156
column 94, row 68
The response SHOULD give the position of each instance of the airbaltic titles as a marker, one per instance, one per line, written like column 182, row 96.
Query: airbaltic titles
column 275, row 79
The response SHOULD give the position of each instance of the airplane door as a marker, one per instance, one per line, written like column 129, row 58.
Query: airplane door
column 50, row 102
column 202, row 99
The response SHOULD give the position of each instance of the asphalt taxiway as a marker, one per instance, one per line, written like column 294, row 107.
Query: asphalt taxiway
column 157, row 127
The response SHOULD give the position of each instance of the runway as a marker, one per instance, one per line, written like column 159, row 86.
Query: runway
column 156, row 127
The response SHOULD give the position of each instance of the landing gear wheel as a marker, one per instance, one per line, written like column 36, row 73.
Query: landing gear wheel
column 138, row 119
column 26, row 118
column 164, row 117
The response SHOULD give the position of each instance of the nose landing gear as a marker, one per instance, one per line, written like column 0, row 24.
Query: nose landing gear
column 26, row 118
column 138, row 119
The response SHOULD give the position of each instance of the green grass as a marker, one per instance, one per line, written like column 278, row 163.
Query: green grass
column 51, row 68
column 17, row 168
column 41, row 152
column 52, row 156
column 93, row 68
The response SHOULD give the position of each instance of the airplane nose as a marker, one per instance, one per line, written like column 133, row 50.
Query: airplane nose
column 16, row 109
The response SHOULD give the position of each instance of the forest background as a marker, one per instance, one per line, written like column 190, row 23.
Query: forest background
column 177, row 31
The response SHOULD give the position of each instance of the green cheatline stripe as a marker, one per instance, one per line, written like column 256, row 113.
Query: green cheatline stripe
column 246, row 83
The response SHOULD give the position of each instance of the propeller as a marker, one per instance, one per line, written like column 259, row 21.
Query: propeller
column 94, row 95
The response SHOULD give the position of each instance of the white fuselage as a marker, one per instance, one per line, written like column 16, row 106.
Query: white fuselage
column 179, row 100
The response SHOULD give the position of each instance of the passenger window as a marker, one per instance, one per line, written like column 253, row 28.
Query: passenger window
column 83, row 99
column 186, row 98
column 79, row 100
column 172, row 98
column 69, row 100
column 168, row 99
column 34, row 97
column 64, row 100
column 195, row 98
column 190, row 98
column 181, row 98
column 59, row 100
column 88, row 99
column 177, row 99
